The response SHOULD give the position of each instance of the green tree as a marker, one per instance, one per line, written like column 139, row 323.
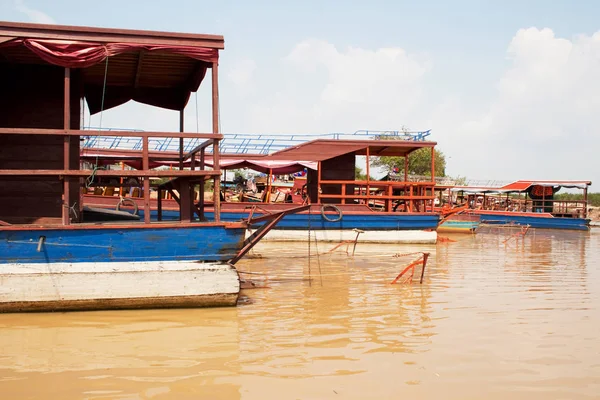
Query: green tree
column 358, row 174
column 419, row 161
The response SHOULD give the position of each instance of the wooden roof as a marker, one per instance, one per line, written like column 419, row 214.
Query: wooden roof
column 325, row 149
column 163, row 77
column 106, row 35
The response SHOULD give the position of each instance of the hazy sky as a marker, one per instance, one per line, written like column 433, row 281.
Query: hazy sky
column 510, row 89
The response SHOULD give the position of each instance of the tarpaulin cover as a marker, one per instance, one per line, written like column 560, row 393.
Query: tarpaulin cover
column 279, row 167
column 76, row 54
column 521, row 186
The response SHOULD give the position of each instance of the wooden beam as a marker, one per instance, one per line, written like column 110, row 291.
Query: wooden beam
column 117, row 173
column 146, row 167
column 368, row 175
column 4, row 39
column 201, row 187
column 66, row 210
column 198, row 148
column 109, row 35
column 181, row 124
column 77, row 132
column 215, row 125
column 138, row 69
column 433, row 164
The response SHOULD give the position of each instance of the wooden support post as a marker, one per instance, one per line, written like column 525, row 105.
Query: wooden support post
column 181, row 129
column 66, row 210
column 543, row 199
column 146, row 167
column 368, row 175
column 122, row 189
column 201, row 187
column 269, row 186
column 185, row 203
column 159, row 204
column 406, row 168
column 585, row 202
column 215, row 124
column 319, row 178
column 433, row 165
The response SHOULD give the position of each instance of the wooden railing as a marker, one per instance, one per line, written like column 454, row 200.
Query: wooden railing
column 414, row 195
column 67, row 174
column 574, row 208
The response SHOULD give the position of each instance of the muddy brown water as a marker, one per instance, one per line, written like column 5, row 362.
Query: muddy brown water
column 492, row 320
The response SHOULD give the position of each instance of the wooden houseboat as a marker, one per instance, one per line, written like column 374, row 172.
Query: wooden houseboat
column 528, row 203
column 55, row 254
column 384, row 211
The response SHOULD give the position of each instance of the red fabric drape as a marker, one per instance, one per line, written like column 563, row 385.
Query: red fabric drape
column 72, row 54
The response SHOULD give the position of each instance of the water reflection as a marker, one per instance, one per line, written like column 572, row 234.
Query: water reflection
column 494, row 319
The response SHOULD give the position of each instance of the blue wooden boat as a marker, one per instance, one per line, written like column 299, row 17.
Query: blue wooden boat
column 528, row 203
column 56, row 254
column 460, row 224
column 387, row 211
column 113, row 243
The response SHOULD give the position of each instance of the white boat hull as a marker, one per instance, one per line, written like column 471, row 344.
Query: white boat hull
column 116, row 285
column 339, row 235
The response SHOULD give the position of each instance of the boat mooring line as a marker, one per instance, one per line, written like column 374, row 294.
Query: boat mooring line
column 41, row 242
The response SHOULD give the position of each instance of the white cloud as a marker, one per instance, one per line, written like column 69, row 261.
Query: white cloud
column 325, row 89
column 34, row 15
column 539, row 120
column 242, row 75
column 542, row 122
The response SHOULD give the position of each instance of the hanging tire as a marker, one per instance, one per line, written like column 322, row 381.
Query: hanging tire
column 334, row 208
column 127, row 201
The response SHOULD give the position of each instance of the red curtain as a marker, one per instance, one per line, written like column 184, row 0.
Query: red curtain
column 72, row 54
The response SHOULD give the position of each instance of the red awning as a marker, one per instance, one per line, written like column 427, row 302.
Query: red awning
column 520, row 186
column 73, row 54
column 157, row 75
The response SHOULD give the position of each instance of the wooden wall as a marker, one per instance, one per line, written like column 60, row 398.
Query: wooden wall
column 338, row 168
column 32, row 97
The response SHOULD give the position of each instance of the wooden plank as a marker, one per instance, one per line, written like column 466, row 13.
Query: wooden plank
column 215, row 124
column 93, row 286
column 77, row 132
column 108, row 35
column 136, row 225
column 66, row 210
column 146, row 167
column 196, row 149
column 385, row 197
column 116, row 173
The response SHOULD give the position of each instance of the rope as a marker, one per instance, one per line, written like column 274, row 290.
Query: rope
column 90, row 179
column 73, row 210
column 197, row 118
column 407, row 254
column 103, row 91
column 318, row 258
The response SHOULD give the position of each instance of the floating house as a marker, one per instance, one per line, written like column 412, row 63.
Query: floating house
column 58, row 254
column 340, row 204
